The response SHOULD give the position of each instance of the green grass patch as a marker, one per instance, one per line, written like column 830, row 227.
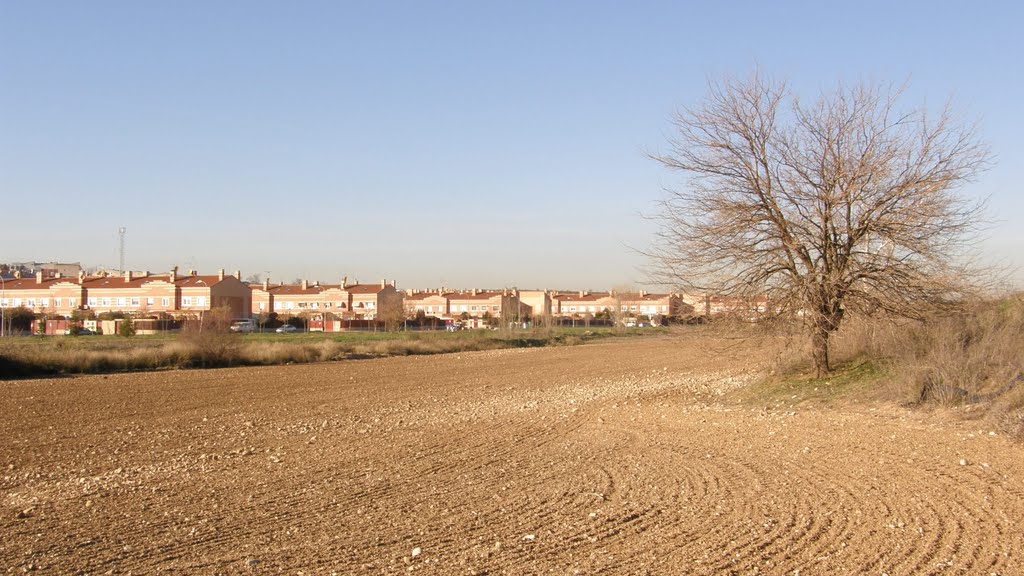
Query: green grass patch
column 854, row 381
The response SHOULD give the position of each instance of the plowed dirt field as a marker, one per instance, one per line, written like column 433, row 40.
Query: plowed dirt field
column 610, row 458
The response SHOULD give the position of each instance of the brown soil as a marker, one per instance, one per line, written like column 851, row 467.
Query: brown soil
column 613, row 458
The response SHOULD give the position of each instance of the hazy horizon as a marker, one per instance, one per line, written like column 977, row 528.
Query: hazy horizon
column 463, row 145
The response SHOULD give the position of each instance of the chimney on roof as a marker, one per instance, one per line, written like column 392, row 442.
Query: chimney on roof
column 305, row 284
column 39, row 277
column 58, row 275
column 238, row 274
column 440, row 291
column 145, row 273
column 17, row 274
column 317, row 283
column 344, row 282
column 474, row 291
column 408, row 292
column 582, row 293
column 81, row 275
column 266, row 283
column 173, row 275
column 127, row 276
column 220, row 274
column 643, row 293
column 384, row 283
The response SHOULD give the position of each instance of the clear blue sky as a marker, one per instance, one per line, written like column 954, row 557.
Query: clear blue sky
column 472, row 144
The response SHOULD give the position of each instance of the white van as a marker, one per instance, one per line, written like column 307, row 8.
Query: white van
column 243, row 325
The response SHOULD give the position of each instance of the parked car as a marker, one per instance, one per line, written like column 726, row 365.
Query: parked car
column 244, row 326
column 287, row 329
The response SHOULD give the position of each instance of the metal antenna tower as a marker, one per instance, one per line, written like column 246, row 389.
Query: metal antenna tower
column 121, row 232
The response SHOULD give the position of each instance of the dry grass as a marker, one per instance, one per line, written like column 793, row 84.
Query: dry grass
column 207, row 348
column 972, row 361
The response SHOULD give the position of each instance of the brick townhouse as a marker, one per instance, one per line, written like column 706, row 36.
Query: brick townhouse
column 628, row 304
column 477, row 303
column 347, row 301
column 432, row 303
column 56, row 295
column 141, row 294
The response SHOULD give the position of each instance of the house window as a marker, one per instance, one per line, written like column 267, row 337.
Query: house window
column 473, row 308
column 31, row 303
column 624, row 307
column 71, row 302
column 57, row 302
column 290, row 306
column 3, row 302
column 165, row 302
column 186, row 300
column 44, row 302
column 149, row 301
column 17, row 302
column 105, row 302
column 572, row 308
column 92, row 301
column 120, row 302
column 494, row 308
column 200, row 301
column 135, row 301
column 261, row 306
column 370, row 304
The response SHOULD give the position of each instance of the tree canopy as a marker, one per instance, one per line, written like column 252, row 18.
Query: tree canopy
column 845, row 202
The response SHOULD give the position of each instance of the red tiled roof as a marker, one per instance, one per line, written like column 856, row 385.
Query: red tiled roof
column 31, row 284
column 423, row 295
column 364, row 288
column 575, row 297
column 199, row 281
column 645, row 297
column 481, row 295
column 95, row 282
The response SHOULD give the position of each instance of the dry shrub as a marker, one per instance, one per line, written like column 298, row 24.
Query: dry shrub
column 974, row 358
column 970, row 357
column 208, row 340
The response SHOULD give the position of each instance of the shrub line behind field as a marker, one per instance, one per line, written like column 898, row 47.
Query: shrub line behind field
column 38, row 357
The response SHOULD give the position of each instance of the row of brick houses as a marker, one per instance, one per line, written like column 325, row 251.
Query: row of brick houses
column 442, row 303
column 144, row 293
column 191, row 294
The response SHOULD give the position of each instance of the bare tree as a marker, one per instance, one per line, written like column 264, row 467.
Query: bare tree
column 844, row 204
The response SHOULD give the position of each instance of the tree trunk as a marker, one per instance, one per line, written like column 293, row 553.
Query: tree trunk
column 819, row 350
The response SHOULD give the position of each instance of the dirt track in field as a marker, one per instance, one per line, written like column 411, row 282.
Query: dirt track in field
column 612, row 458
